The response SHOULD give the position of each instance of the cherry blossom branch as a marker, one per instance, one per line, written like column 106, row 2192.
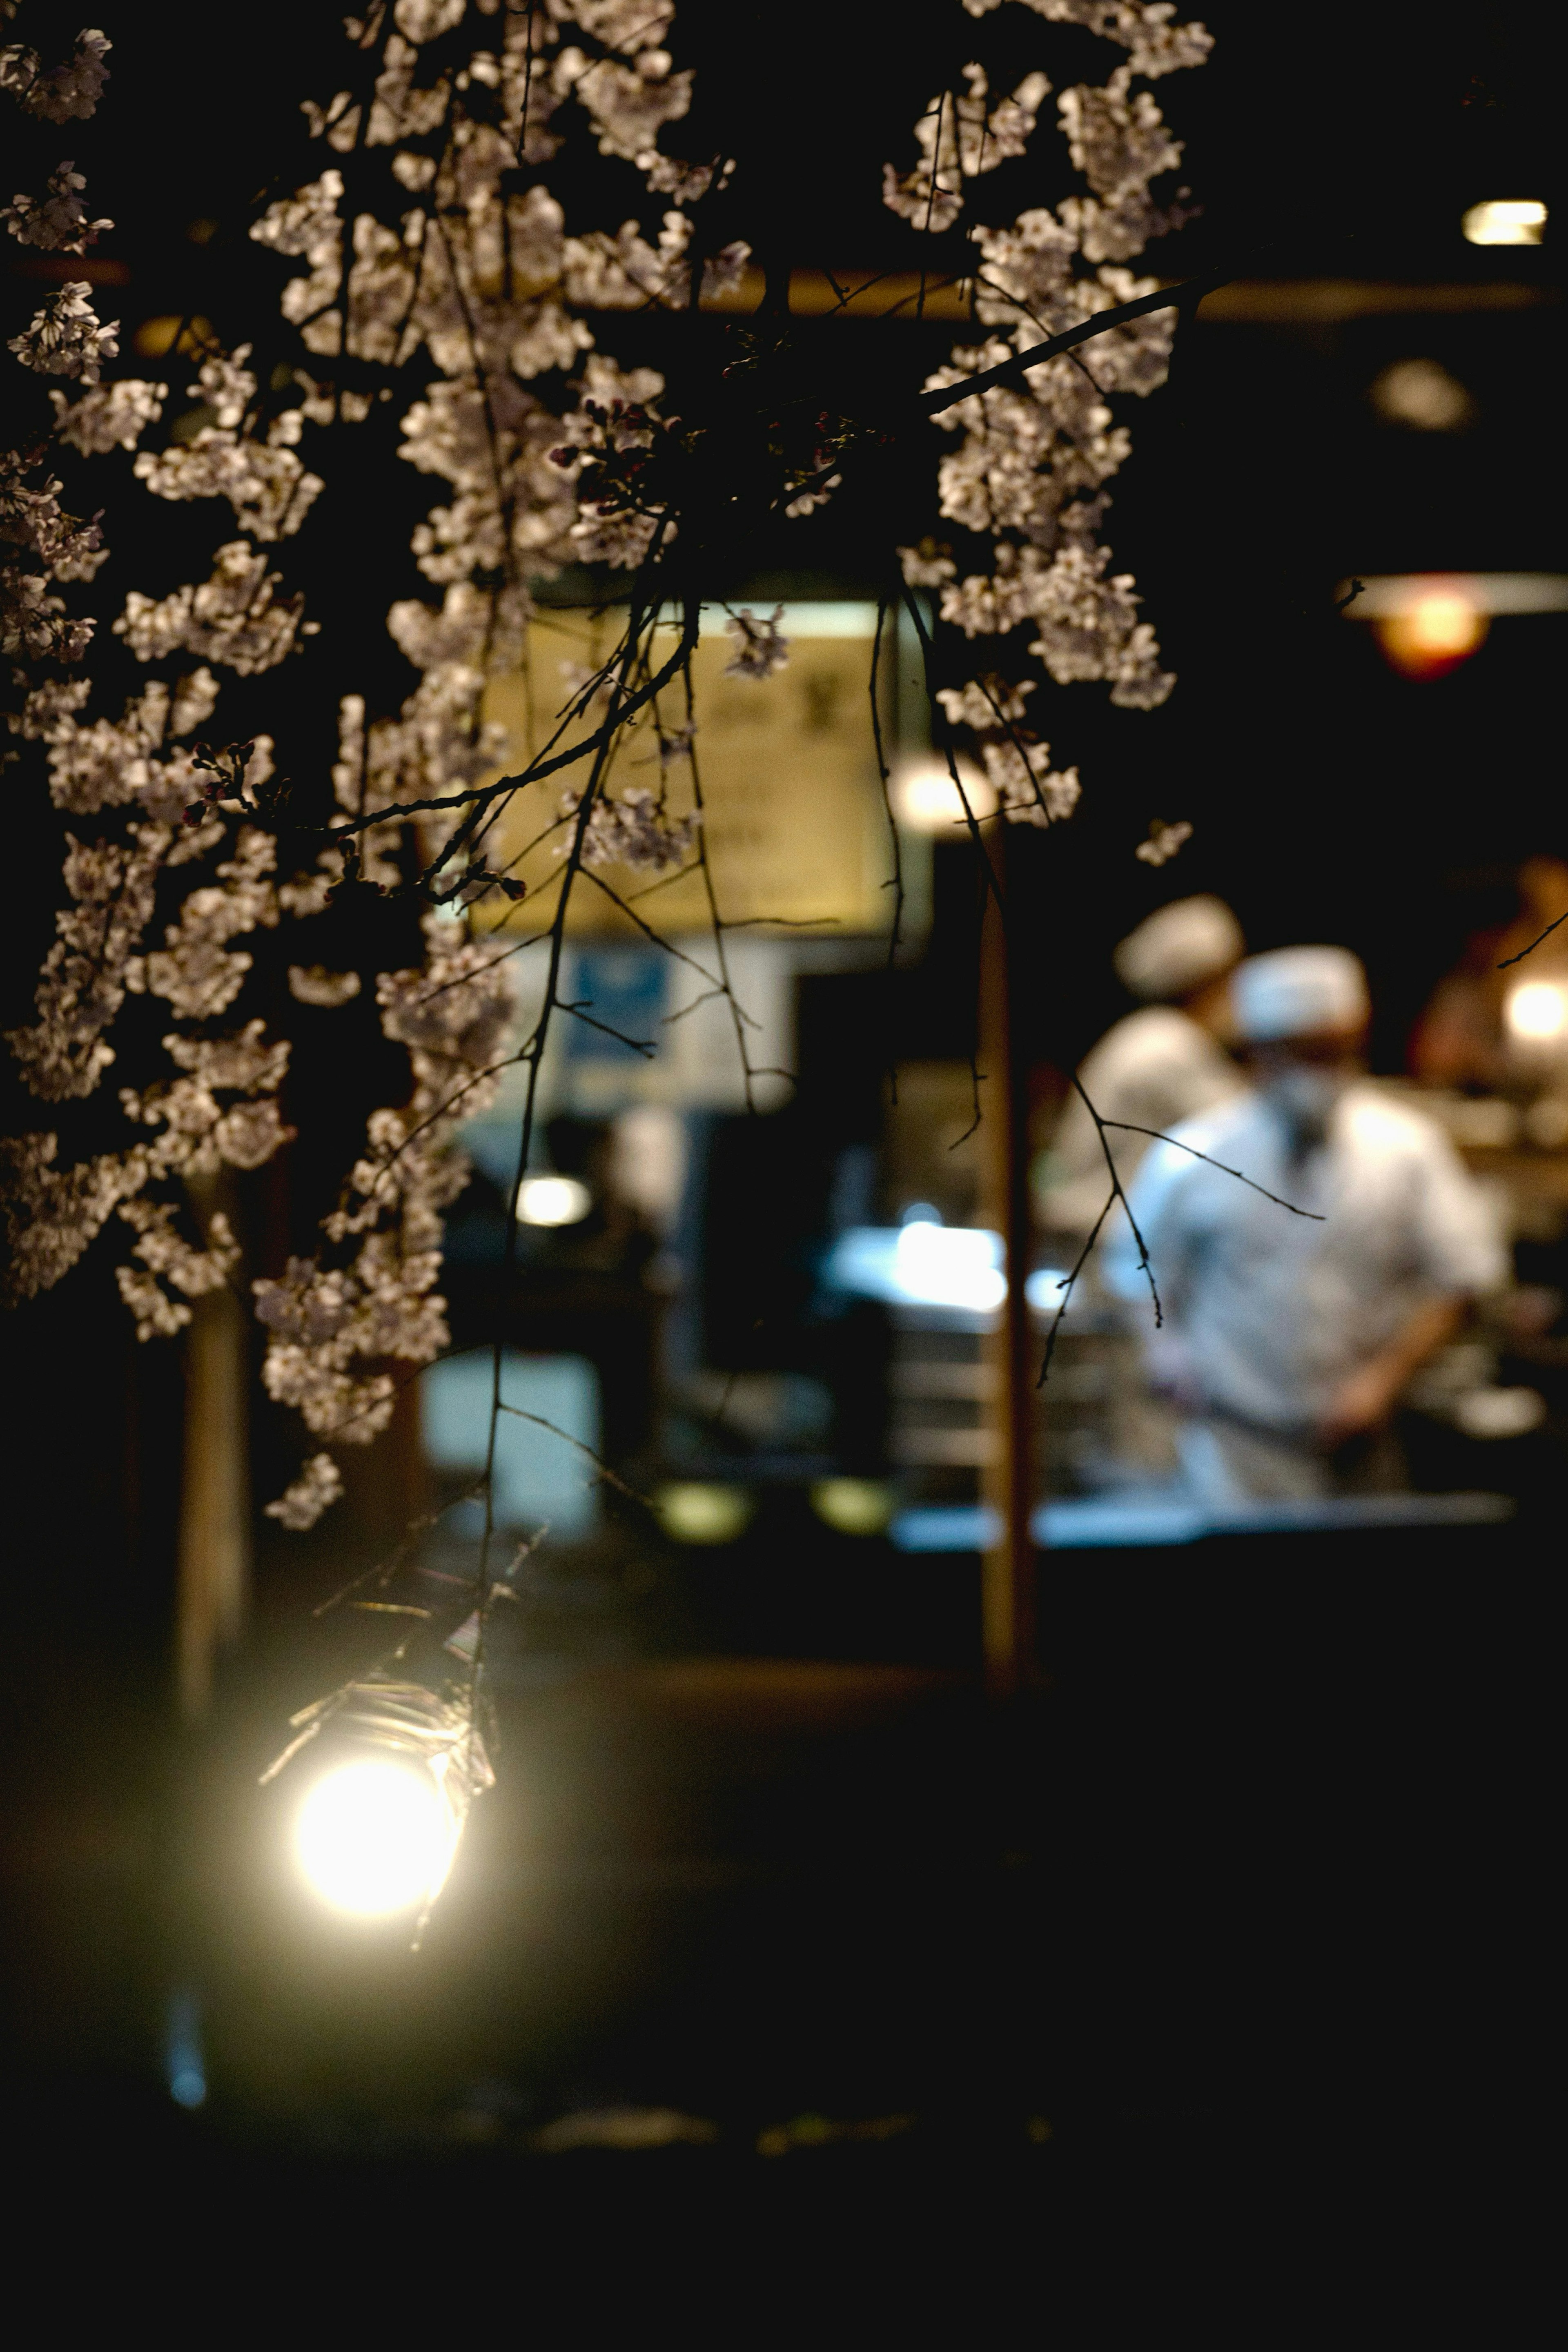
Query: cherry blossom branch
column 1014, row 371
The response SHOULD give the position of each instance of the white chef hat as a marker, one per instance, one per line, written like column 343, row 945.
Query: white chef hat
column 1293, row 991
column 1178, row 947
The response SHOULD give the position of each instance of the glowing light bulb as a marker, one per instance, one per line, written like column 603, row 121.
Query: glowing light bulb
column 1508, row 220
column 375, row 1837
column 1538, row 1011
column 927, row 801
column 1439, row 628
column 696, row 1513
column 854, row 1506
column 553, row 1200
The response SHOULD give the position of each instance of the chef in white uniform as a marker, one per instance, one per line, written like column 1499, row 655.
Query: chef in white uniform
column 1288, row 1339
column 1155, row 1067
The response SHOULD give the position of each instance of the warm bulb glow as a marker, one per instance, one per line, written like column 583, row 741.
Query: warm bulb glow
column 553, row 1200
column 1538, row 1011
column 375, row 1837
column 1508, row 220
column 694, row 1512
column 1440, row 627
column 854, row 1506
column 927, row 801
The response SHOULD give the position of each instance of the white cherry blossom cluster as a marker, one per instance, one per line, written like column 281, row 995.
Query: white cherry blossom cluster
column 111, row 416
column 59, row 222
column 634, row 829
column 112, row 889
column 40, row 546
column 1029, row 472
column 237, row 617
column 201, row 1132
column 263, row 479
column 453, row 1015
column 66, row 336
column 1017, row 765
column 1156, row 44
column 167, row 1257
column 167, row 797
column 959, row 139
column 301, row 1504
column 53, row 1213
column 68, row 92
column 761, row 647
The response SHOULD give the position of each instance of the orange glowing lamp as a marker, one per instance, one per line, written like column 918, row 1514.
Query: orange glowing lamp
column 1440, row 627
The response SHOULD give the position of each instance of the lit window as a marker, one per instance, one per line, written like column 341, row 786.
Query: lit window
column 1508, row 220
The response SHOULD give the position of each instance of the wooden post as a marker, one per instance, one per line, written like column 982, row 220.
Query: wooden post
column 1007, row 1585
column 215, row 1498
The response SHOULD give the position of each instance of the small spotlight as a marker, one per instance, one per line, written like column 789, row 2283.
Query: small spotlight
column 375, row 1837
column 854, row 1506
column 1423, row 395
column 1507, row 220
column 697, row 1513
column 552, row 1200
column 1440, row 627
column 926, row 800
column 1537, row 1011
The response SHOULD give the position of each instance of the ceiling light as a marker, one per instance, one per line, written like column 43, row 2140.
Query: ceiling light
column 1434, row 633
column 1428, row 622
column 1506, row 220
column 552, row 1200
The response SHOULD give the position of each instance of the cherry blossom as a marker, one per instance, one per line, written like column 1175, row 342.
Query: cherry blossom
column 959, row 140
column 313, row 984
column 237, row 618
column 1033, row 457
column 302, row 1502
column 59, row 224
column 634, row 829
column 62, row 93
column 113, row 416
column 53, row 1213
column 1164, row 842
column 167, row 1257
column 759, row 647
column 66, row 336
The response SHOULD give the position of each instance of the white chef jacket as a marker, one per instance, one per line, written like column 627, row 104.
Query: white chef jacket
column 1154, row 1070
column 1276, row 1311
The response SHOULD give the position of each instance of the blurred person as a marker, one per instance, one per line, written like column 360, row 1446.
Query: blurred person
column 1288, row 1339
column 1463, row 1037
column 1153, row 1068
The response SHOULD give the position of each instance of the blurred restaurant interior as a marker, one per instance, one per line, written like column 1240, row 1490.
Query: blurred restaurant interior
column 812, row 1827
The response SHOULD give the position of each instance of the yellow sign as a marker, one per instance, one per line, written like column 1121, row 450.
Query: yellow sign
column 792, row 818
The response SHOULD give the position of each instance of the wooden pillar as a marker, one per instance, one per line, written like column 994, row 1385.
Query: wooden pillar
column 215, row 1499
column 1007, row 1586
